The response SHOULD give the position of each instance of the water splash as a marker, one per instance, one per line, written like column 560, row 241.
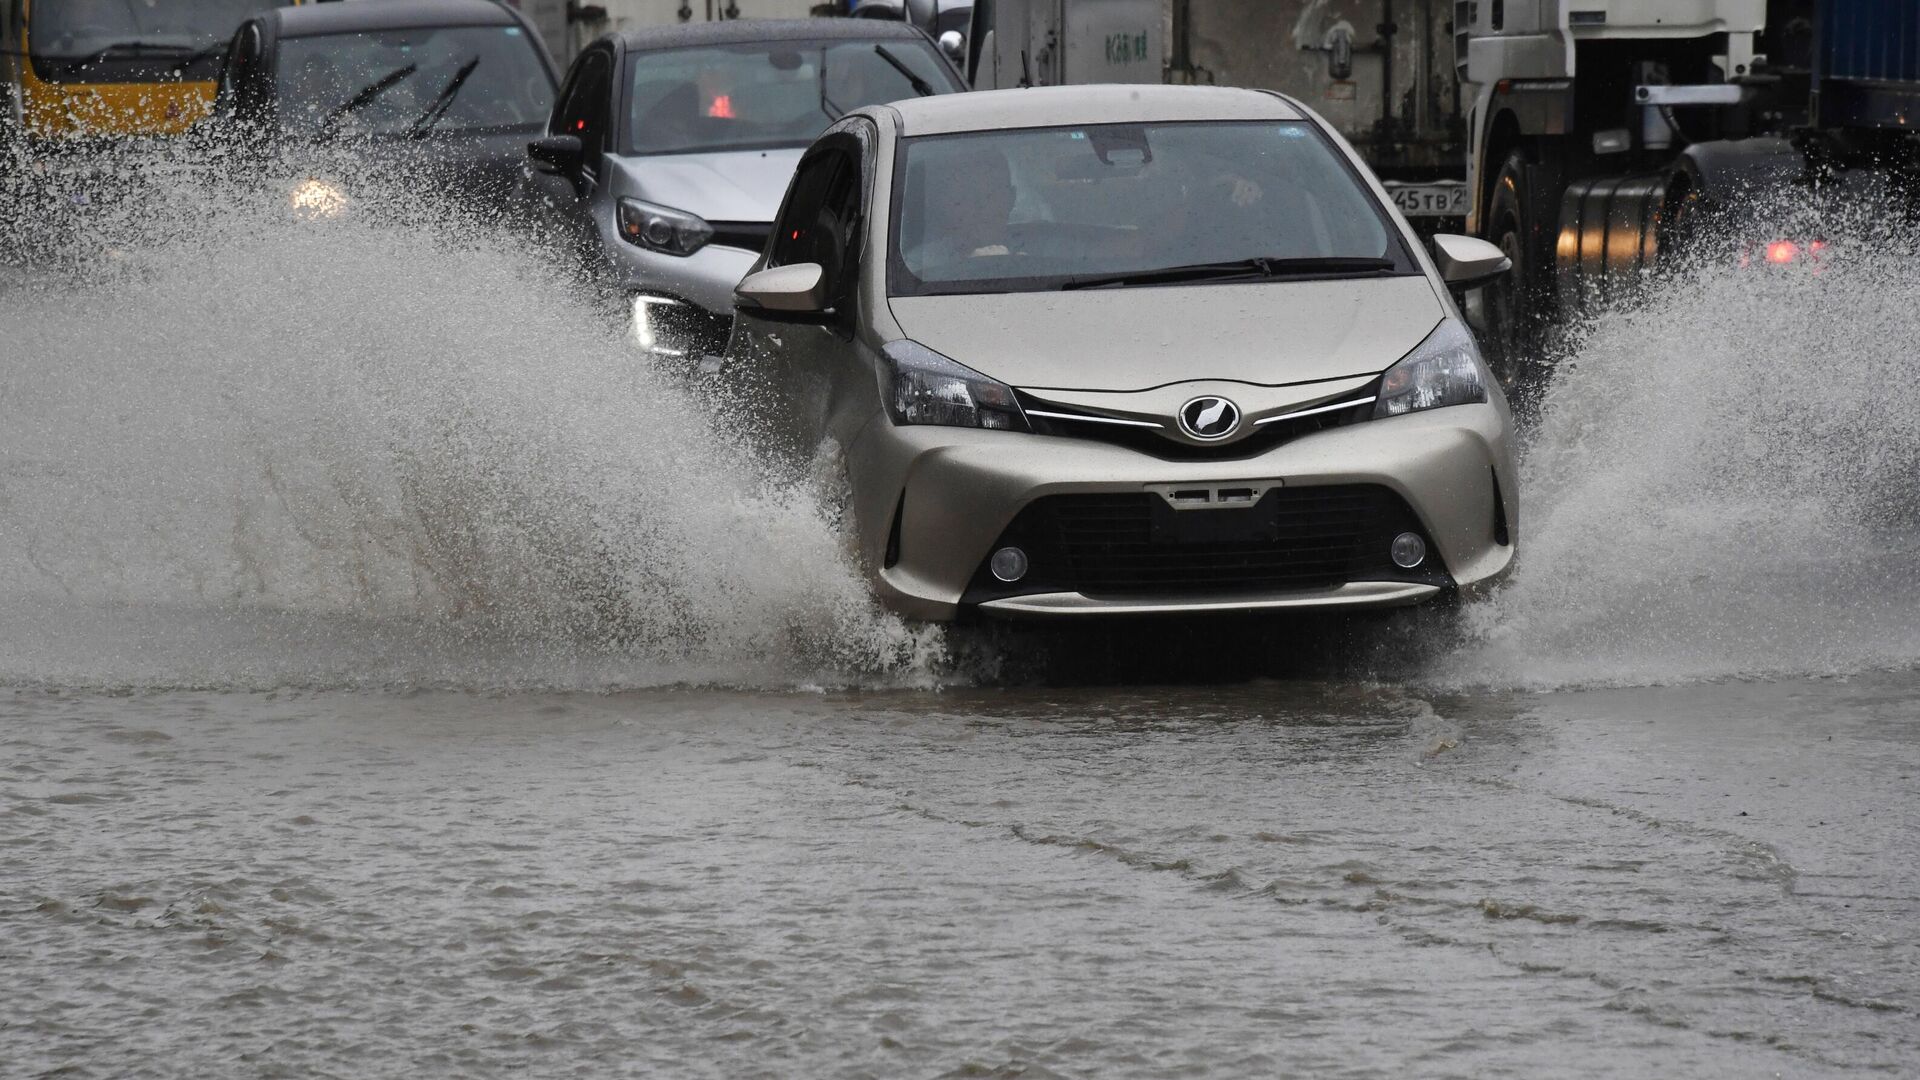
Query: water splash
column 1725, row 481
column 242, row 448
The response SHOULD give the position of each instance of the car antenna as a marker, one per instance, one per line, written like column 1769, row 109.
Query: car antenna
column 1026, row 75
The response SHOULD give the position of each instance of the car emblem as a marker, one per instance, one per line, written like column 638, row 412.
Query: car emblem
column 1209, row 418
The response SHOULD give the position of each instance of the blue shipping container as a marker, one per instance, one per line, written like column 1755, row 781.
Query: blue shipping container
column 1877, row 40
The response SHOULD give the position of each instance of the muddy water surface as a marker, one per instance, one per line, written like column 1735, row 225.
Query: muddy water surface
column 1279, row 878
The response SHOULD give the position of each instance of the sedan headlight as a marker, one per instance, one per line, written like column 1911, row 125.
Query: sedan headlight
column 1445, row 369
column 928, row 388
column 316, row 198
column 662, row 228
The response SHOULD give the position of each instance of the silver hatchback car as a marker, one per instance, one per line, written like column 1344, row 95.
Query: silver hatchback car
column 672, row 146
column 1090, row 350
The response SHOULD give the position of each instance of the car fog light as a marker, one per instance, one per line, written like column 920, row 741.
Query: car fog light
column 1408, row 550
column 1009, row 564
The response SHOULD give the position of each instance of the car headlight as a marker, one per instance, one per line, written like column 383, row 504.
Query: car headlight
column 1445, row 369
column 315, row 198
column 662, row 228
column 927, row 388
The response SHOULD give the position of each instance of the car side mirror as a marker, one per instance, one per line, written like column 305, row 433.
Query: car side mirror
column 952, row 44
column 795, row 291
column 1466, row 261
column 556, row 154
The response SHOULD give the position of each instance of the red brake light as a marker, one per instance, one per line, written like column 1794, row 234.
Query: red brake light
column 1782, row 251
column 722, row 107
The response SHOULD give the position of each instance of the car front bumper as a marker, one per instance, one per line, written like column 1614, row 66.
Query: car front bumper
column 932, row 503
column 681, row 305
column 704, row 279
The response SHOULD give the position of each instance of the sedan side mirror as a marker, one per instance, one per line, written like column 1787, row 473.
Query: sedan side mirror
column 796, row 290
column 1466, row 261
column 556, row 154
column 952, row 44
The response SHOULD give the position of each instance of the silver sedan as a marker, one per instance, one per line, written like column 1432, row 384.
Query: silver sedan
column 1093, row 350
column 672, row 145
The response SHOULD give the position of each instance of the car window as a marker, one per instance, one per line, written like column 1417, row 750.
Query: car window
column 766, row 95
column 821, row 220
column 584, row 109
column 442, row 78
column 1039, row 208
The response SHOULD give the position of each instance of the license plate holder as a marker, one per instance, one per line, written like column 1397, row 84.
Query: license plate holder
column 1258, row 523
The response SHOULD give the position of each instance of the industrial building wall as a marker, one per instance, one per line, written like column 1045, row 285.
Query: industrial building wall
column 1401, row 101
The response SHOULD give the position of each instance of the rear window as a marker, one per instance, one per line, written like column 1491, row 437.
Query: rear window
column 761, row 96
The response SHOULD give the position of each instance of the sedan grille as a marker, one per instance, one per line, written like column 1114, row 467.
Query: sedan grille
column 1292, row 539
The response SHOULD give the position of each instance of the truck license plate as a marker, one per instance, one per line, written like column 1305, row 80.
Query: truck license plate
column 1447, row 198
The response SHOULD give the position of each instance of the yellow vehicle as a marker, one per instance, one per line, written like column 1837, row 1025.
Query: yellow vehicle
column 104, row 68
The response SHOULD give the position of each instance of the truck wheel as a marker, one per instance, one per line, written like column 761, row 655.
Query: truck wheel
column 1515, row 304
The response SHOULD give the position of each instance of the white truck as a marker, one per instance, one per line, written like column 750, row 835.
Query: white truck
column 1054, row 42
column 1604, row 133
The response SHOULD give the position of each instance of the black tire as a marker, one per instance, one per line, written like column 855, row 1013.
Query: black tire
column 1519, row 304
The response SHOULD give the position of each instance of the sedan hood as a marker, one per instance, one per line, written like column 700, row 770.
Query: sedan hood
column 740, row 185
column 1129, row 339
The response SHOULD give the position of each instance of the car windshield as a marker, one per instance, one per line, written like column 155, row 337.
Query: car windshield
column 440, row 78
column 744, row 97
column 1119, row 204
column 118, row 40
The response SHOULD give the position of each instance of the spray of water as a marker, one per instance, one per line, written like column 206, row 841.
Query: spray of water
column 1725, row 479
column 240, row 446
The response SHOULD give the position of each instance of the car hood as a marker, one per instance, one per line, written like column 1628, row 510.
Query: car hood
column 485, row 165
column 1131, row 339
column 740, row 185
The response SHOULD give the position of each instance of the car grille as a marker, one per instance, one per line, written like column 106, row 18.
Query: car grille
column 1293, row 539
column 1162, row 444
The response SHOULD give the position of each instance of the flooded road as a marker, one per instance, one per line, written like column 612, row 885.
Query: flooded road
column 1270, row 879
column 399, row 678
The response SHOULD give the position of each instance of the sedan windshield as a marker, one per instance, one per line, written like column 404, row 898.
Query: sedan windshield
column 747, row 97
column 412, row 82
column 125, row 40
column 1131, row 204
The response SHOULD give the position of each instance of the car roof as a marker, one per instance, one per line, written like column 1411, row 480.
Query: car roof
column 1051, row 106
column 347, row 18
column 750, row 31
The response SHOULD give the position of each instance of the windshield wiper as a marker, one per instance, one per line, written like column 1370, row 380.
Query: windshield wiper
column 137, row 48
column 366, row 95
column 1236, row 270
column 827, row 104
column 920, row 85
column 443, row 101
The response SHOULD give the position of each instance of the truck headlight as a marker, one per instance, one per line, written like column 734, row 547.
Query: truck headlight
column 928, row 388
column 662, row 228
column 1445, row 369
